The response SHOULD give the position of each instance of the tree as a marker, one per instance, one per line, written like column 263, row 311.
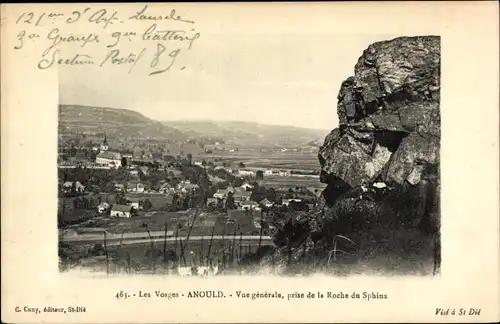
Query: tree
column 147, row 205
column 220, row 204
column 120, row 199
column 259, row 175
column 271, row 194
column 230, row 201
column 190, row 158
column 124, row 161
column 241, row 165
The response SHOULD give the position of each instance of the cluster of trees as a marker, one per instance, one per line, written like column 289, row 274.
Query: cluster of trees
column 260, row 192
column 229, row 177
column 314, row 172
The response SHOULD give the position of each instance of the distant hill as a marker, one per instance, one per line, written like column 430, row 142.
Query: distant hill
column 117, row 123
column 126, row 124
column 249, row 133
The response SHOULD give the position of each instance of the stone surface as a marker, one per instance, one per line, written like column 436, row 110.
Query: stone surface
column 389, row 118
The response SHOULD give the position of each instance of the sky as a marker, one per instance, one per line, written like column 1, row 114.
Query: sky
column 277, row 71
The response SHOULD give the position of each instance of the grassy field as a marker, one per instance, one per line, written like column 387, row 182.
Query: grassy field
column 145, row 257
column 276, row 159
column 156, row 221
column 290, row 182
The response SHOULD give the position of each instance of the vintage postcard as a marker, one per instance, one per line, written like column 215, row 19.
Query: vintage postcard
column 250, row 162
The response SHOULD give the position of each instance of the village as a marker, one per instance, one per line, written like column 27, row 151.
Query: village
column 133, row 200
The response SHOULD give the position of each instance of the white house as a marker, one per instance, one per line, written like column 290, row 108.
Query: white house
column 244, row 172
column 133, row 202
column 187, row 186
column 109, row 158
column 102, row 207
column 135, row 187
column 250, row 205
column 120, row 211
column 266, row 202
column 78, row 186
column 286, row 202
column 221, row 194
column 246, row 186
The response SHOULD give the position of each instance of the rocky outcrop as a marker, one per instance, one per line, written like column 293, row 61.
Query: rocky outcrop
column 389, row 131
column 389, row 117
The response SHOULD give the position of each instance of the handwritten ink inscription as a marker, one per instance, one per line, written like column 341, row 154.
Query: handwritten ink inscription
column 157, row 44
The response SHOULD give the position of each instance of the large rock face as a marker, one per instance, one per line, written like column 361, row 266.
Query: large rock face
column 389, row 118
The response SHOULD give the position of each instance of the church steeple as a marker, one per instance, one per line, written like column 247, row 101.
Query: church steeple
column 104, row 145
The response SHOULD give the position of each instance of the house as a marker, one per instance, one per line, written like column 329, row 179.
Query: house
column 220, row 194
column 68, row 185
column 212, row 201
column 214, row 179
column 245, row 172
column 186, row 186
column 266, row 202
column 121, row 211
column 144, row 170
column 102, row 207
column 134, row 186
column 109, row 158
column 165, row 187
column 198, row 163
column 268, row 172
column 242, row 196
column 223, row 193
column 250, row 205
column 246, row 186
column 284, row 173
column 119, row 187
column 286, row 202
column 134, row 172
column 134, row 202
